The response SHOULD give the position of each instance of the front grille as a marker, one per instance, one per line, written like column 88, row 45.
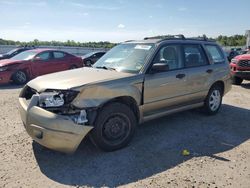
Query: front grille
column 244, row 63
column 27, row 92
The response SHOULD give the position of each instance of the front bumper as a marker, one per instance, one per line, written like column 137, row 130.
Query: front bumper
column 5, row 77
column 242, row 74
column 53, row 131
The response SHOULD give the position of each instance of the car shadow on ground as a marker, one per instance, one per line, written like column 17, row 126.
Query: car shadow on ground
column 10, row 86
column 156, row 147
column 246, row 85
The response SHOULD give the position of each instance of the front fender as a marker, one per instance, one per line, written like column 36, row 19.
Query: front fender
column 96, row 95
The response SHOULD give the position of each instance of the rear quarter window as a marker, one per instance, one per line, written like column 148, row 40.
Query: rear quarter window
column 215, row 54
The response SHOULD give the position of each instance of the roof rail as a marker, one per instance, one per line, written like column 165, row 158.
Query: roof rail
column 180, row 36
column 163, row 37
column 203, row 37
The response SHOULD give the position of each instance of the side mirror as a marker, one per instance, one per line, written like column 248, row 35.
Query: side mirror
column 159, row 67
column 37, row 58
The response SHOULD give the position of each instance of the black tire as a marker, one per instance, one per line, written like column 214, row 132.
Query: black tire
column 73, row 67
column 20, row 77
column 237, row 80
column 114, row 127
column 88, row 63
column 215, row 94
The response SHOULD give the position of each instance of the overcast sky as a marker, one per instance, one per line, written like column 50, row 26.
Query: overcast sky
column 119, row 20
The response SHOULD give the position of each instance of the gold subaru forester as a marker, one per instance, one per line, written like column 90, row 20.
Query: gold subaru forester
column 134, row 82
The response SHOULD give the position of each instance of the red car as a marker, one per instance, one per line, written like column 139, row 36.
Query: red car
column 240, row 68
column 32, row 63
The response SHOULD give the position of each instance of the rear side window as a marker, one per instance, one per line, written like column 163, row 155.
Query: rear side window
column 215, row 53
column 194, row 56
column 58, row 55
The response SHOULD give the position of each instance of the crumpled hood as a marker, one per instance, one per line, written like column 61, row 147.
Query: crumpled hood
column 74, row 78
column 6, row 62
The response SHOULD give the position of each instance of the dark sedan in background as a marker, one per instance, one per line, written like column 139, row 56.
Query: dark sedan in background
column 32, row 63
column 15, row 51
column 90, row 58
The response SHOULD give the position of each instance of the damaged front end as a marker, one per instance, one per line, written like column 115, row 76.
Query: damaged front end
column 59, row 102
column 51, row 120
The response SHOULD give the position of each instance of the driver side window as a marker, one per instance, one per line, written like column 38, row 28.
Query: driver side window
column 44, row 56
column 171, row 56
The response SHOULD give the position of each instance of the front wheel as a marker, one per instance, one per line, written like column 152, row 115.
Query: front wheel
column 213, row 100
column 72, row 67
column 114, row 127
column 20, row 77
column 88, row 63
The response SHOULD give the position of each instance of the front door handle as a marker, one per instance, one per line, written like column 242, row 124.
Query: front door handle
column 180, row 76
column 209, row 71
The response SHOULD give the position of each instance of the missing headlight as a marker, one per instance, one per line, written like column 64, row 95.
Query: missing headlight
column 56, row 98
column 51, row 99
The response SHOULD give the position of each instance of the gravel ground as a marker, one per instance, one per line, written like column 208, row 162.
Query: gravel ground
column 219, row 147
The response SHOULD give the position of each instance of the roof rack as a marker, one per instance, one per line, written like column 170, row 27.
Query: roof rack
column 180, row 36
column 163, row 37
column 203, row 37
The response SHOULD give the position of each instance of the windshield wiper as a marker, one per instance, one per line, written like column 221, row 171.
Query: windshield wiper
column 106, row 68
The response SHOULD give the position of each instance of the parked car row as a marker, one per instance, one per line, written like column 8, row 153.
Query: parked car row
column 23, row 64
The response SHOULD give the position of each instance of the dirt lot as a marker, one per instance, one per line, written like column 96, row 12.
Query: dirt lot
column 219, row 146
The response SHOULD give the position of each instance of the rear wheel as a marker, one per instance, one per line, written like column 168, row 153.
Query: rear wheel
column 114, row 127
column 88, row 63
column 237, row 80
column 213, row 100
column 72, row 67
column 20, row 77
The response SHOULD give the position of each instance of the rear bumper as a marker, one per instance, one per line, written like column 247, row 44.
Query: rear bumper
column 5, row 77
column 53, row 131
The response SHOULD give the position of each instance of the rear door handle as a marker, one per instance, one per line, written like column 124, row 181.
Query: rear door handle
column 180, row 76
column 209, row 71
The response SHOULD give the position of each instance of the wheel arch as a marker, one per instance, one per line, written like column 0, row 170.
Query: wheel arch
column 219, row 83
column 127, row 100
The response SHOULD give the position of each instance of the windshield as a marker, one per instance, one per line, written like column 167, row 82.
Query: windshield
column 11, row 51
column 27, row 55
column 89, row 54
column 125, row 57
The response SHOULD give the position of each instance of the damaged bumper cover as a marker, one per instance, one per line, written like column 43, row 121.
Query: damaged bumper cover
column 57, row 132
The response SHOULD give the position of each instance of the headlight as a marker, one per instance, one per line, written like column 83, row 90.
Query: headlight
column 234, row 61
column 3, row 69
column 52, row 98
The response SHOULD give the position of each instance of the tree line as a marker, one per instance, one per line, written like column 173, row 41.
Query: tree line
column 71, row 43
column 235, row 40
